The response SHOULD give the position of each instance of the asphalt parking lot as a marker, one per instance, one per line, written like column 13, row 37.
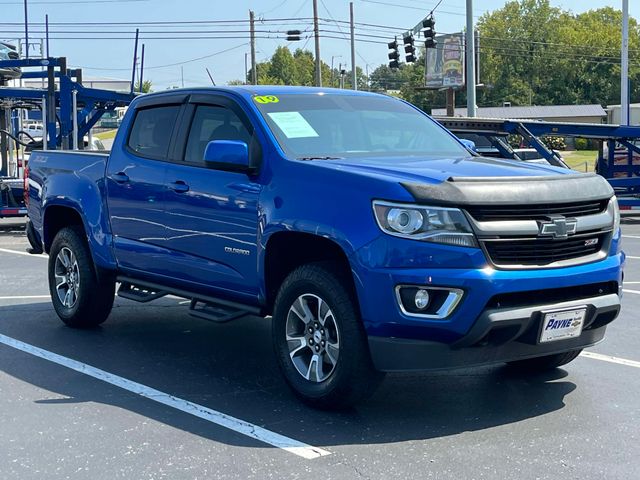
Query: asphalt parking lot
column 146, row 395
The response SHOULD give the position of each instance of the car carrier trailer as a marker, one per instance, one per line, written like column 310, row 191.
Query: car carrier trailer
column 621, row 171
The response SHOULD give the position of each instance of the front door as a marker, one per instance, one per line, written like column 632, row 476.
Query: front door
column 212, row 215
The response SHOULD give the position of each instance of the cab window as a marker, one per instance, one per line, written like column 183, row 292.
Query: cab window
column 213, row 123
column 151, row 131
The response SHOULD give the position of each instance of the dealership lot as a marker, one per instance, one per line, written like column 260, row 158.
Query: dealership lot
column 145, row 396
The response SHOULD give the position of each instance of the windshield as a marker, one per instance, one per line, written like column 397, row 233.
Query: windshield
column 334, row 126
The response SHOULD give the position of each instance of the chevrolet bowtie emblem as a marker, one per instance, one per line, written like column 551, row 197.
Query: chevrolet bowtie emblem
column 558, row 227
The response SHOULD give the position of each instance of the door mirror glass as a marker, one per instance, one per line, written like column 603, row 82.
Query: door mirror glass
column 232, row 155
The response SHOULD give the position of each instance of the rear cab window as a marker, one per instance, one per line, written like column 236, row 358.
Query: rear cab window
column 150, row 134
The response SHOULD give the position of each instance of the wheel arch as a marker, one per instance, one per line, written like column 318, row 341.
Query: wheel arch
column 57, row 216
column 286, row 250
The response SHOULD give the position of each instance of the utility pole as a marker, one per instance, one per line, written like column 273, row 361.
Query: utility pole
column 451, row 102
column 26, row 30
column 624, row 86
column 471, row 62
column 254, row 72
column 316, row 35
column 354, row 77
column 182, row 75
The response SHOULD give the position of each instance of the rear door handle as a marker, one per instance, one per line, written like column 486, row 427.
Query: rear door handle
column 179, row 186
column 119, row 177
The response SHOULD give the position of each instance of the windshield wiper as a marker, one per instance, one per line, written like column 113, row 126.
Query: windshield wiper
column 320, row 158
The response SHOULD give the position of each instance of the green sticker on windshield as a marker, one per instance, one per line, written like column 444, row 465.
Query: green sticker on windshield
column 266, row 99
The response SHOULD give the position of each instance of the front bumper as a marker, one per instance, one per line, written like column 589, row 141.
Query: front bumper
column 499, row 335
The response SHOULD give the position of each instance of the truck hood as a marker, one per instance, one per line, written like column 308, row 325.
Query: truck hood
column 436, row 170
column 478, row 180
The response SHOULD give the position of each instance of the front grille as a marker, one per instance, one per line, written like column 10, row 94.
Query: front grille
column 536, row 212
column 542, row 251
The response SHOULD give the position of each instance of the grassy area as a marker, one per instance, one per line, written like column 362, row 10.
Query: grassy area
column 578, row 158
column 106, row 135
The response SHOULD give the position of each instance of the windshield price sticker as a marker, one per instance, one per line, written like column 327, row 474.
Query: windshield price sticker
column 293, row 125
column 266, row 99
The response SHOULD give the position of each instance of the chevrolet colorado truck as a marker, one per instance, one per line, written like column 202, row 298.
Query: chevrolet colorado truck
column 369, row 236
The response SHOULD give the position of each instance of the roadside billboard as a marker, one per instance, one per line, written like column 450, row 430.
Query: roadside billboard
column 445, row 63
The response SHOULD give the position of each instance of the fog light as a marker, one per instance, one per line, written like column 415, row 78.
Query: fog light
column 422, row 299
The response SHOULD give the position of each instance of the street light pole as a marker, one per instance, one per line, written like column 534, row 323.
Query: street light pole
column 471, row 62
column 624, row 81
column 332, row 75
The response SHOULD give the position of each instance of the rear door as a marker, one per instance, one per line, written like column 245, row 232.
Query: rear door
column 212, row 215
column 136, row 185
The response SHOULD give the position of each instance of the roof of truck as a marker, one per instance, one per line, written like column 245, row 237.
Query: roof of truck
column 250, row 90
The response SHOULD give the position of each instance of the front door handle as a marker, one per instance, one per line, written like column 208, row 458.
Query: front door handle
column 119, row 177
column 179, row 186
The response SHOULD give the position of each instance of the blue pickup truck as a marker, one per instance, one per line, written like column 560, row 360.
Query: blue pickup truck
column 369, row 236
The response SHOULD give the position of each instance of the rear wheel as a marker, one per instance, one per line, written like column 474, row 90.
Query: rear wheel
column 543, row 364
column 80, row 297
column 320, row 341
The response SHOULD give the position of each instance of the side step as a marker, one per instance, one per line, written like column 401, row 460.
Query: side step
column 215, row 312
column 201, row 306
column 139, row 293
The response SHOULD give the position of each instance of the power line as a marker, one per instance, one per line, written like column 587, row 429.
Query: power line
column 168, row 64
column 397, row 5
column 68, row 2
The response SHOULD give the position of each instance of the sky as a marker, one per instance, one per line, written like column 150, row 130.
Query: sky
column 178, row 61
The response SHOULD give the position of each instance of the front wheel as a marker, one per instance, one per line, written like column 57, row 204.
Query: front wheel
column 80, row 297
column 319, row 339
column 543, row 364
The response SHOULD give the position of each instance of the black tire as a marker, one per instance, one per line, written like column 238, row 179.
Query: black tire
column 94, row 294
column 546, row 363
column 352, row 377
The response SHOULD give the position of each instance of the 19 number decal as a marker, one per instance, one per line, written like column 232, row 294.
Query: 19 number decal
column 266, row 99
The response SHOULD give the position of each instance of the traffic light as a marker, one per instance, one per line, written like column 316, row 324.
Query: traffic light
column 429, row 32
column 293, row 35
column 409, row 49
column 394, row 55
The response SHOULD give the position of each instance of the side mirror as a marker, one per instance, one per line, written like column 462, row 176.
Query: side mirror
column 469, row 144
column 229, row 155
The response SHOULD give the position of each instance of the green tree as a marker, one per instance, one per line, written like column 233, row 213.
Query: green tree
column 146, row 86
column 533, row 53
column 283, row 67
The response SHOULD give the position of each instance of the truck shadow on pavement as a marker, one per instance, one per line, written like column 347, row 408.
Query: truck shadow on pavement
column 231, row 368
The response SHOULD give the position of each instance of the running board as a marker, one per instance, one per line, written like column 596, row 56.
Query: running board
column 139, row 293
column 215, row 312
column 201, row 306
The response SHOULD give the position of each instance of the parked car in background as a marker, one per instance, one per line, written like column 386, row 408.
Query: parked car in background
column 33, row 130
column 620, row 156
column 8, row 52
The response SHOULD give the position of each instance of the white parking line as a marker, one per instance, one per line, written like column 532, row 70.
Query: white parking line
column 631, row 256
column 17, row 252
column 213, row 416
column 626, row 290
column 609, row 358
column 630, row 236
column 25, row 297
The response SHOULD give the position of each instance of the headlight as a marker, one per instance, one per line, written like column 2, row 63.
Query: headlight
column 428, row 224
column 616, row 214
